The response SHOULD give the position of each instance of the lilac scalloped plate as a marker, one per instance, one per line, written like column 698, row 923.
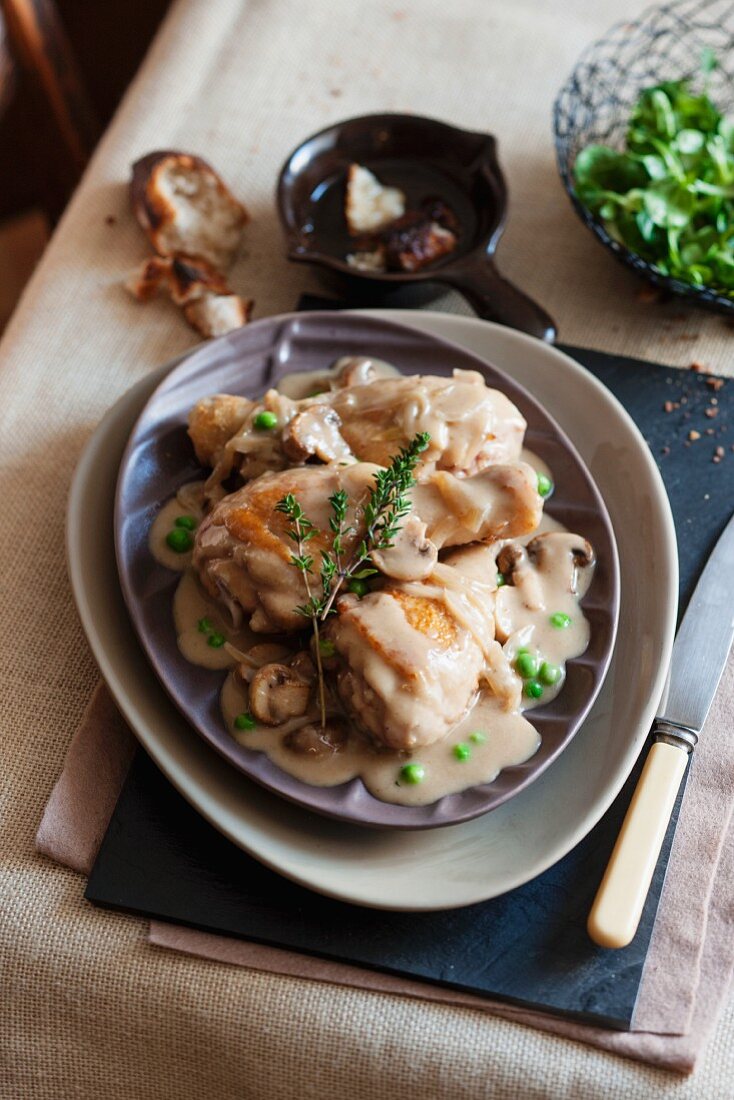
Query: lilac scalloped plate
column 159, row 459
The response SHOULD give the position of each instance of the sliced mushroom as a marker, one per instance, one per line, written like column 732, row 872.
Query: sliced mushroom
column 514, row 562
column 561, row 554
column 355, row 370
column 510, row 557
column 315, row 431
column 412, row 556
column 317, row 740
column 277, row 694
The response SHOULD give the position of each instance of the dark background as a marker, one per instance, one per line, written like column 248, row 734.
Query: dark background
column 109, row 41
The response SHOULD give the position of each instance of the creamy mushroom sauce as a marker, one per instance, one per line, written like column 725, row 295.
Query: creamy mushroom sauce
column 497, row 737
column 306, row 383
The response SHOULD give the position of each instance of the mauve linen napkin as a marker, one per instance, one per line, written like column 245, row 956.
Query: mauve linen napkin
column 691, row 958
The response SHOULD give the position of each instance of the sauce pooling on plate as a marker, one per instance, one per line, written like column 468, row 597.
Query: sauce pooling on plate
column 433, row 662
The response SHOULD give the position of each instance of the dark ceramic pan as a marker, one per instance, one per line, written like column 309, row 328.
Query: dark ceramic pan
column 159, row 459
column 424, row 158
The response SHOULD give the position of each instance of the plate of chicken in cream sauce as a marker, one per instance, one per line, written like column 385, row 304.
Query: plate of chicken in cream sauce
column 370, row 570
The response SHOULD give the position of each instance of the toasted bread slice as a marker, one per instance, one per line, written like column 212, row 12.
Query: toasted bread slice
column 218, row 314
column 185, row 207
column 184, row 279
column 209, row 305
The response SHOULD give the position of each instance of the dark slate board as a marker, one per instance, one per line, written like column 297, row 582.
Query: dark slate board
column 530, row 946
column 701, row 491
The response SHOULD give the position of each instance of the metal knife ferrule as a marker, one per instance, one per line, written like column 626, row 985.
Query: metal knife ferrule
column 675, row 733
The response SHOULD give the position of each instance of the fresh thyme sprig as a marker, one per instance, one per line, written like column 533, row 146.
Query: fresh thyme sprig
column 301, row 533
column 386, row 506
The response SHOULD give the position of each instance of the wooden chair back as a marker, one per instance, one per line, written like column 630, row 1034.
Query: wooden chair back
column 37, row 44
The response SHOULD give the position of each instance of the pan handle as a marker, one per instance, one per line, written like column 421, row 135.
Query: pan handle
column 496, row 299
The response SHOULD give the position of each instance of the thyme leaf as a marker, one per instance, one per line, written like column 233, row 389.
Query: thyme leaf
column 381, row 519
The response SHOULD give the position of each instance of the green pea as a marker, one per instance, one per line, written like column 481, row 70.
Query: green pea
column 185, row 521
column 522, row 649
column 245, row 721
column 549, row 674
column 478, row 738
column 326, row 648
column 204, row 626
column 412, row 773
column 560, row 620
column 545, row 485
column 179, row 540
column 501, row 580
column 216, row 640
column 462, row 752
column 526, row 665
column 360, row 588
column 533, row 689
column 265, row 421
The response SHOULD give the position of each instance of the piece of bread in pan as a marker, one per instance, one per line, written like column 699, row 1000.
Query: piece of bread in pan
column 370, row 206
column 185, row 207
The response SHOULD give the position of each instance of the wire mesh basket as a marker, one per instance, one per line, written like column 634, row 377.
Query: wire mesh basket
column 594, row 105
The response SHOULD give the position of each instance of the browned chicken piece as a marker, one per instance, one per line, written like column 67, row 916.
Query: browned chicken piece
column 500, row 502
column 251, row 448
column 212, row 423
column 410, row 656
column 471, row 426
column 243, row 552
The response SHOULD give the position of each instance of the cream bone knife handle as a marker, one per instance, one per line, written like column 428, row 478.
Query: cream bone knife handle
column 618, row 905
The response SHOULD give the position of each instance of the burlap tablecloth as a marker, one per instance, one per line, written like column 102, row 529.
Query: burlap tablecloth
column 88, row 1008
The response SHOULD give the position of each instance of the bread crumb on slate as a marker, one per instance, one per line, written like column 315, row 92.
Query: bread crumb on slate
column 693, row 434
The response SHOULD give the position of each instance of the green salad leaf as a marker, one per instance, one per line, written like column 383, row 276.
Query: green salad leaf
column 669, row 194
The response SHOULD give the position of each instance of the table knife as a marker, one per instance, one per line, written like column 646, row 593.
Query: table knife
column 699, row 656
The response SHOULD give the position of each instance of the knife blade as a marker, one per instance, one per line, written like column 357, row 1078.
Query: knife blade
column 699, row 656
column 704, row 639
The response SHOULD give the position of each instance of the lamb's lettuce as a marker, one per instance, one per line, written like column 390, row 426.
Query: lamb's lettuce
column 669, row 195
